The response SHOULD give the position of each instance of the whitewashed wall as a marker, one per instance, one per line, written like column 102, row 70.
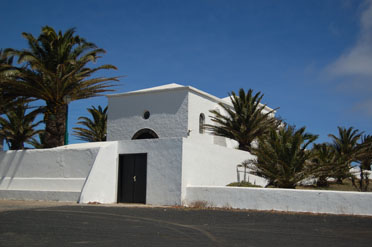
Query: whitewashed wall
column 168, row 111
column 313, row 201
column 101, row 184
column 199, row 103
column 211, row 165
column 60, row 171
column 164, row 168
column 45, row 163
column 164, row 160
column 172, row 164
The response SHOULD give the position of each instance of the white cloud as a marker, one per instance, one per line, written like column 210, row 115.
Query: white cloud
column 364, row 107
column 358, row 60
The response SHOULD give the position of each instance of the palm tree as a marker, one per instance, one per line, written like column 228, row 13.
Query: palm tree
column 364, row 158
column 96, row 128
column 324, row 164
column 57, row 72
column 5, row 98
column 364, row 155
column 347, row 140
column 18, row 127
column 244, row 121
column 282, row 155
column 5, row 65
column 345, row 144
column 38, row 142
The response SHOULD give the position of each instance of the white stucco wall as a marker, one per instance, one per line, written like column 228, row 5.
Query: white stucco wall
column 168, row 111
column 199, row 103
column 47, row 169
column 164, row 168
column 100, row 186
column 47, row 163
column 179, row 171
column 313, row 201
column 164, row 159
column 211, row 165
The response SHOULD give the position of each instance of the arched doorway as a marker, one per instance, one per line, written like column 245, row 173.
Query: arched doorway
column 145, row 134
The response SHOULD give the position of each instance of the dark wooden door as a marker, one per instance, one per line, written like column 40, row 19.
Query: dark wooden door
column 132, row 178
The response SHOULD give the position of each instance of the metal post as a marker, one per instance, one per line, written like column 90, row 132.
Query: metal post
column 67, row 100
column 66, row 131
column 237, row 173
column 245, row 173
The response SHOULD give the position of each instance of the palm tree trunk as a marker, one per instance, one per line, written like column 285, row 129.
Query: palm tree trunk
column 55, row 125
column 1, row 144
column 16, row 145
column 245, row 147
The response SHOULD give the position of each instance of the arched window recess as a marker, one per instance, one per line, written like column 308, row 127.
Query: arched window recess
column 145, row 134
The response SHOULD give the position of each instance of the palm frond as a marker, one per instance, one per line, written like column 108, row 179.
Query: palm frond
column 18, row 125
column 245, row 121
column 281, row 156
column 58, row 65
column 95, row 128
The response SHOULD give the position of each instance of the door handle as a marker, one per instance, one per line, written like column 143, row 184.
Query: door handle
column 134, row 179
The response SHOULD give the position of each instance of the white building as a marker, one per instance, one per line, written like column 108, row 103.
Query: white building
column 173, row 111
column 156, row 149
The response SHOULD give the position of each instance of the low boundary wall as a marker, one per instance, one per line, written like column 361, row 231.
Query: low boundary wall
column 313, row 201
column 56, row 174
column 212, row 165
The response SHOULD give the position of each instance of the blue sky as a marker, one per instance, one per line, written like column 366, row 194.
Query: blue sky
column 313, row 59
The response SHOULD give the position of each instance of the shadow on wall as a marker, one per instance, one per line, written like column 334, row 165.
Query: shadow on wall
column 6, row 165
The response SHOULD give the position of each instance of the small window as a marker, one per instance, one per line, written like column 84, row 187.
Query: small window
column 201, row 123
column 146, row 115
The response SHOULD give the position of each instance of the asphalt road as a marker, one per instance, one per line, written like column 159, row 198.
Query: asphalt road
column 74, row 225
